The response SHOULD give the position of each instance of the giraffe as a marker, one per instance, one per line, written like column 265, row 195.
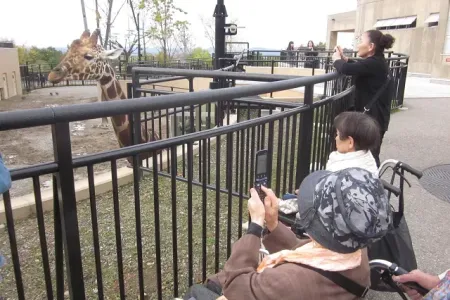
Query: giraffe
column 85, row 60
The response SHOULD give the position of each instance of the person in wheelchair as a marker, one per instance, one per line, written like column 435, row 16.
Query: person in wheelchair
column 342, row 212
column 356, row 135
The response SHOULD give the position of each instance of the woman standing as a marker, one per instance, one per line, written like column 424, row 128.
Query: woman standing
column 290, row 53
column 371, row 76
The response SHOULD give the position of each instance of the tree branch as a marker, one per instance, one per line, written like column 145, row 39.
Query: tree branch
column 114, row 19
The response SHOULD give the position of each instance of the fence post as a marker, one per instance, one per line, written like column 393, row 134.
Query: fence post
column 272, row 72
column 68, row 209
column 305, row 137
column 402, row 84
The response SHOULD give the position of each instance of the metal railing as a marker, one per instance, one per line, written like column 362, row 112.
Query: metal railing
column 174, row 224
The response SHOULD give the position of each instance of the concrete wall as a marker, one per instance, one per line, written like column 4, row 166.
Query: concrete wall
column 10, row 82
column 343, row 22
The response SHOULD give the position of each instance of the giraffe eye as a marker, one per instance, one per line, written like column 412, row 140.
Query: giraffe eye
column 88, row 56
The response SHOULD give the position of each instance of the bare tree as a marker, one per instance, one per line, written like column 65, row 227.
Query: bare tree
column 104, row 11
column 184, row 40
column 129, row 45
column 209, row 27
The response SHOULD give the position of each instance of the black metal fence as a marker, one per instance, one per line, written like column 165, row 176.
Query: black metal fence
column 175, row 225
column 35, row 77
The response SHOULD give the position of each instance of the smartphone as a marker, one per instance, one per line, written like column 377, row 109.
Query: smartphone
column 261, row 172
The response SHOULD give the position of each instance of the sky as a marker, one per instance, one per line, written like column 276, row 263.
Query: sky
column 268, row 23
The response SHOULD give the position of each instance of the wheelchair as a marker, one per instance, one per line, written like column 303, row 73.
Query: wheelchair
column 382, row 270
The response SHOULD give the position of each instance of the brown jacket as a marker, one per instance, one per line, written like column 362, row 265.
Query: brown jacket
column 239, row 279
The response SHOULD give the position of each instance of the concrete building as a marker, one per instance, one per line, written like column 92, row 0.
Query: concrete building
column 10, row 82
column 421, row 29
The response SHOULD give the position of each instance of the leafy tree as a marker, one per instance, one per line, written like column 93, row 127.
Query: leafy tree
column 200, row 53
column 35, row 55
column 164, row 24
column 321, row 45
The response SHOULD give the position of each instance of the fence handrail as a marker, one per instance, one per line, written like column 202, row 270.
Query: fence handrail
column 78, row 112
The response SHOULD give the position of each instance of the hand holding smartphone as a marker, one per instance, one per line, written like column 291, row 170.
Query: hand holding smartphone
column 261, row 172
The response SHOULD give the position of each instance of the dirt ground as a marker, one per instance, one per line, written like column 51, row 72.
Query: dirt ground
column 30, row 146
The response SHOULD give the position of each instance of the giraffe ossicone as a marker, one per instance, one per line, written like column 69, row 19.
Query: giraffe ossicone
column 87, row 60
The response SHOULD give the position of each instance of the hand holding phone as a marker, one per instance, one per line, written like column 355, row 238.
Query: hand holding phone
column 261, row 172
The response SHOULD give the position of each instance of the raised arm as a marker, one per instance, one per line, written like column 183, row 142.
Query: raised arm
column 352, row 67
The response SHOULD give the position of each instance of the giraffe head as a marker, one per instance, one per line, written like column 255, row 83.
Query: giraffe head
column 85, row 60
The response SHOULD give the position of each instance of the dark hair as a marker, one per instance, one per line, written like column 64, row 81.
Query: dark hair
column 289, row 45
column 307, row 45
column 364, row 129
column 380, row 40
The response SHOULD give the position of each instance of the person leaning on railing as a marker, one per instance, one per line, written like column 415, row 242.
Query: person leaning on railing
column 371, row 76
column 342, row 212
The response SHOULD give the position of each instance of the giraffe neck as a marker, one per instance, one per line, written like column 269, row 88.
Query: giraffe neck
column 111, row 86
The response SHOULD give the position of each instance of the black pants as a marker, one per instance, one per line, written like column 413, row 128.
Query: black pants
column 376, row 150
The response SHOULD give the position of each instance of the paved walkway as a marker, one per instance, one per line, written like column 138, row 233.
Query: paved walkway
column 420, row 136
column 422, row 87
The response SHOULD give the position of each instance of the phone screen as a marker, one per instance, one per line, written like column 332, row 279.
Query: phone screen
column 261, row 164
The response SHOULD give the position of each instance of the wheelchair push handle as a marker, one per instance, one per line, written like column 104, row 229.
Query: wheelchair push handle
column 393, row 189
column 414, row 285
column 395, row 270
column 411, row 170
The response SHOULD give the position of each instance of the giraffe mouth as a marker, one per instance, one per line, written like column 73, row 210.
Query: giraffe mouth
column 56, row 76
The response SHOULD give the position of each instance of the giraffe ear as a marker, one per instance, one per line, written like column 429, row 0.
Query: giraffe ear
column 86, row 34
column 94, row 37
column 113, row 53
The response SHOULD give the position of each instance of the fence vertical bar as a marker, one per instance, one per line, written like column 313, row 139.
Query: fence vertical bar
column 96, row 240
column 305, row 137
column 137, row 174
column 279, row 156
column 270, row 149
column 173, row 176
column 117, row 228
column 402, row 84
column 272, row 71
column 42, row 238
column 190, row 153
column 13, row 245
column 229, row 184
column 241, row 185
column 217, row 216
column 157, row 225
column 68, row 209
column 204, row 211
column 59, row 259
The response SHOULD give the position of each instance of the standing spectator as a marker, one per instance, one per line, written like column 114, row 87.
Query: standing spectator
column 290, row 53
column 371, row 76
column 311, row 45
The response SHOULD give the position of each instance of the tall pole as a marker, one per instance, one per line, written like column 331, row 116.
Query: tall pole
column 83, row 9
column 220, row 14
column 139, row 38
column 143, row 38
